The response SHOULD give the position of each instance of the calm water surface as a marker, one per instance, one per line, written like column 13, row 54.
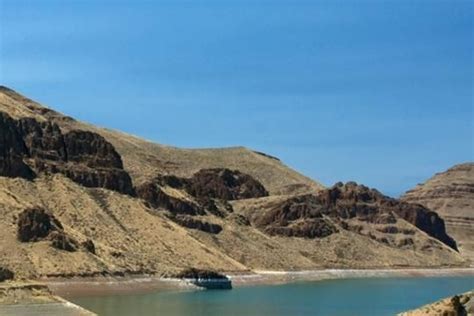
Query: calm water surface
column 374, row 296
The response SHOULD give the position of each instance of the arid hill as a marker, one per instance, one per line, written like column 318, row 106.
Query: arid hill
column 81, row 200
column 451, row 194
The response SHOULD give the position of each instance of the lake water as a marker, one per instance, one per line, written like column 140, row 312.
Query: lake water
column 372, row 296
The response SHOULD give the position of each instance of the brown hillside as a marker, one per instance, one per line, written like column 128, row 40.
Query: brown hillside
column 80, row 200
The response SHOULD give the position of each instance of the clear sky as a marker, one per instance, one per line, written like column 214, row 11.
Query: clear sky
column 380, row 92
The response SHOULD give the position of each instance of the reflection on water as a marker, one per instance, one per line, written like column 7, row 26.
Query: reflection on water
column 384, row 296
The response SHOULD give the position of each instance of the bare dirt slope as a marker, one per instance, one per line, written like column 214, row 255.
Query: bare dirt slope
column 80, row 200
column 144, row 159
column 451, row 194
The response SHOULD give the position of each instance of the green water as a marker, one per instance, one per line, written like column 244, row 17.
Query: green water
column 373, row 296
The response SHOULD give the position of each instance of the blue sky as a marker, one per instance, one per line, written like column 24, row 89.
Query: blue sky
column 380, row 92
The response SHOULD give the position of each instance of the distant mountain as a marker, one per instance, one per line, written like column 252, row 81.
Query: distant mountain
column 451, row 194
column 79, row 200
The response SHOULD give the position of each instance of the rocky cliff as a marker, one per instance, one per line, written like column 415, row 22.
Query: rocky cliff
column 350, row 207
column 451, row 194
column 31, row 147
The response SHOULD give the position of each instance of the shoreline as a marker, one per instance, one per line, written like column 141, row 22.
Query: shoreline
column 104, row 286
column 130, row 285
column 59, row 293
column 31, row 298
column 265, row 277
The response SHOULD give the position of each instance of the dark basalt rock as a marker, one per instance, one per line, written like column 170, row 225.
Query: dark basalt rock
column 266, row 155
column 108, row 178
column 426, row 220
column 211, row 189
column 84, row 157
column 193, row 223
column 305, row 206
column 224, row 184
column 193, row 273
column 219, row 208
column 61, row 241
column 207, row 279
column 296, row 217
column 116, row 254
column 219, row 183
column 374, row 207
column 239, row 219
column 305, row 216
column 352, row 200
column 311, row 228
column 89, row 246
column 91, row 149
column 210, row 206
column 92, row 162
column 405, row 242
column 461, row 308
column 389, row 230
column 395, row 230
column 6, row 274
column 12, row 151
column 35, row 224
column 171, row 181
column 44, row 140
column 157, row 198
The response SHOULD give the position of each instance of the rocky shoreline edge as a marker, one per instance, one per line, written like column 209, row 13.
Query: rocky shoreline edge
column 265, row 277
column 460, row 304
column 71, row 287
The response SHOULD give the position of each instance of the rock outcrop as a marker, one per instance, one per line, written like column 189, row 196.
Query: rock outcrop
column 91, row 149
column 61, row 241
column 426, row 220
column 316, row 216
column 207, row 279
column 12, row 150
column 36, row 224
column 217, row 183
column 43, row 139
column 224, row 184
column 451, row 195
column 193, row 273
column 28, row 146
column 89, row 246
column 194, row 223
column 296, row 217
column 209, row 191
column 155, row 197
column 6, row 274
